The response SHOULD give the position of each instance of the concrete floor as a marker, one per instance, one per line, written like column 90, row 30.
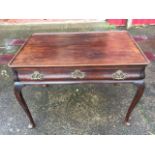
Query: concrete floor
column 76, row 109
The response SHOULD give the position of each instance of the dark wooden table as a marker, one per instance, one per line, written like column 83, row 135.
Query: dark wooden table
column 82, row 57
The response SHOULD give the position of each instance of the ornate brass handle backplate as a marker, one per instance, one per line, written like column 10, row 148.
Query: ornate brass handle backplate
column 36, row 76
column 78, row 74
column 119, row 75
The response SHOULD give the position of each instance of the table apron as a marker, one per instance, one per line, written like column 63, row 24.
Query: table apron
column 77, row 73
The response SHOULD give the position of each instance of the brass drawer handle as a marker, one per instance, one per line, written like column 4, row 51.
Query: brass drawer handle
column 119, row 75
column 36, row 76
column 78, row 74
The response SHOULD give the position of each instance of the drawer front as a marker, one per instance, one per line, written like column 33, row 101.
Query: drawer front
column 79, row 73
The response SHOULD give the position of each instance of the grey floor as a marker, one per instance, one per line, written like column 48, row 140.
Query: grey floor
column 78, row 109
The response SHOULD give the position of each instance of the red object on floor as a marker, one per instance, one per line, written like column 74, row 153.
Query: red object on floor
column 143, row 21
column 140, row 37
column 117, row 22
column 150, row 55
column 5, row 58
column 16, row 42
column 122, row 22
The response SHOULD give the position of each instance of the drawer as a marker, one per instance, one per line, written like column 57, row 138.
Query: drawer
column 79, row 73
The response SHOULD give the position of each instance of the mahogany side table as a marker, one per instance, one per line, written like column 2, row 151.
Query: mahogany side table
column 79, row 57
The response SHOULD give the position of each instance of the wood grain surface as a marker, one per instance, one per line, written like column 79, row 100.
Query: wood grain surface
column 79, row 49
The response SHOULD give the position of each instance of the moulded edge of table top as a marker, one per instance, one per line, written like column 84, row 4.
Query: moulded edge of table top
column 88, row 32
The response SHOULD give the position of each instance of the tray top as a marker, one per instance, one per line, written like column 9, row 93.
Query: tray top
column 79, row 49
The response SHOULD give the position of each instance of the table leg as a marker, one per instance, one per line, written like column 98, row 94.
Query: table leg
column 20, row 98
column 140, row 89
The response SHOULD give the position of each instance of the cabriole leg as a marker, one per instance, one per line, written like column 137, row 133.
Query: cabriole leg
column 20, row 98
column 140, row 89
